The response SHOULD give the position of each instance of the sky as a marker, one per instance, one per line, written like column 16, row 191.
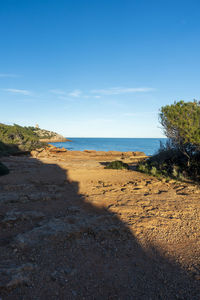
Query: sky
column 97, row 68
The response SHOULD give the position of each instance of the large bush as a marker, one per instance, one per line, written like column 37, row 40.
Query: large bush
column 181, row 124
column 180, row 156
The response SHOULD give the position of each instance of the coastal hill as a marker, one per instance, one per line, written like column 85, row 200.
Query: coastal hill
column 48, row 136
column 16, row 138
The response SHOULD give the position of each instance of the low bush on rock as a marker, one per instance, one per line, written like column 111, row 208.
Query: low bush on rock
column 169, row 163
column 117, row 164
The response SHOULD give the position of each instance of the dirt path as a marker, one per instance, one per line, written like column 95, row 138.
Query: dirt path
column 72, row 230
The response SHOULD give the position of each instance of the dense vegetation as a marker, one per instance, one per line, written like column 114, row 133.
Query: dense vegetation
column 117, row 164
column 179, row 158
column 181, row 123
column 15, row 138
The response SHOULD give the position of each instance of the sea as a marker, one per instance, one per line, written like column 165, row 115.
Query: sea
column 147, row 145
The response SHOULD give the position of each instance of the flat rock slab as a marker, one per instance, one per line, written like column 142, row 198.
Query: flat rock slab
column 71, row 227
column 16, row 216
column 13, row 276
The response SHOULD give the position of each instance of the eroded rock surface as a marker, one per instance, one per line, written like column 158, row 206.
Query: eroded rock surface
column 70, row 229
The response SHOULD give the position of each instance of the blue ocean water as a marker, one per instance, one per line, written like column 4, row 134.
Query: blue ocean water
column 147, row 145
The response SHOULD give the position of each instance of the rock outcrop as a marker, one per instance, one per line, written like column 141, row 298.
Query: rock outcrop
column 62, row 153
column 47, row 136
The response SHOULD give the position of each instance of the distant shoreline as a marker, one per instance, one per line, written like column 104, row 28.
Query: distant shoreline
column 146, row 145
column 55, row 140
column 118, row 138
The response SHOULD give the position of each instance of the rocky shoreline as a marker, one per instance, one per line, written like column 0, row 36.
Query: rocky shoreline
column 47, row 136
column 55, row 140
column 51, row 150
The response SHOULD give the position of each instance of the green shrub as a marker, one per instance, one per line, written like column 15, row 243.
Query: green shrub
column 117, row 164
column 172, row 163
column 181, row 124
column 3, row 170
column 142, row 167
column 181, row 154
column 15, row 138
column 153, row 171
column 181, row 177
column 175, row 172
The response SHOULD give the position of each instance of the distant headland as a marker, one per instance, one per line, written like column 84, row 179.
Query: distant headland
column 17, row 139
column 47, row 136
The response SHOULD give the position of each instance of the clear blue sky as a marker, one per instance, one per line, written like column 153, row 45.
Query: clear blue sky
column 97, row 68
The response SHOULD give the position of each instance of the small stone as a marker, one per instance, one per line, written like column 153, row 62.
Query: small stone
column 197, row 277
column 54, row 275
column 74, row 293
column 16, row 281
column 67, row 271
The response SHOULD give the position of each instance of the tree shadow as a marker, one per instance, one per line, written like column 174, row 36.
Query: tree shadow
column 7, row 149
column 77, row 250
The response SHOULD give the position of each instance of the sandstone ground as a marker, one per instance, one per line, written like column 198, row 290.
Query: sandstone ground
column 71, row 229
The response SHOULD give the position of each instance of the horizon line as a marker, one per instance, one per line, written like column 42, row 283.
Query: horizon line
column 101, row 137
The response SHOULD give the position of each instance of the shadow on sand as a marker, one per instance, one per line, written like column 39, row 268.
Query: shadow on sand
column 79, row 251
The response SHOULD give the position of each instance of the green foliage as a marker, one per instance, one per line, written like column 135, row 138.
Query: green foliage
column 148, row 168
column 17, row 138
column 175, row 171
column 117, row 164
column 181, row 123
column 3, row 170
column 143, row 167
column 179, row 158
column 171, row 163
column 16, row 134
column 153, row 171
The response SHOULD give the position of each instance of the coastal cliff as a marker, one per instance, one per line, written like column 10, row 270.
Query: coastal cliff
column 47, row 136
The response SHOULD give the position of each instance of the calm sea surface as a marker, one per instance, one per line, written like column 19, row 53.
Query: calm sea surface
column 147, row 145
